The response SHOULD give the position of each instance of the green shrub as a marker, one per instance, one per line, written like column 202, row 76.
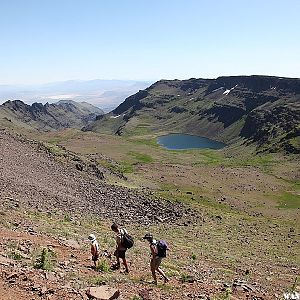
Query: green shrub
column 47, row 260
column 103, row 266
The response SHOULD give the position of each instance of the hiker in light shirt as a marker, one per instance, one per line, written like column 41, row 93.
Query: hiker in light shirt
column 158, row 252
column 95, row 250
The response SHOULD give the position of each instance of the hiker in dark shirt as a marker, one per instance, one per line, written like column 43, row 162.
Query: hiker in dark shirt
column 120, row 248
column 158, row 252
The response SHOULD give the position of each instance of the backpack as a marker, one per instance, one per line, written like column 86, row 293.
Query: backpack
column 127, row 240
column 162, row 248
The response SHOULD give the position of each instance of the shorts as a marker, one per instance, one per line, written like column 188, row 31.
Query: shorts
column 156, row 262
column 95, row 257
column 120, row 253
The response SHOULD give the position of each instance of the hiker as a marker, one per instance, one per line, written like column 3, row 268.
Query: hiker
column 158, row 252
column 95, row 250
column 124, row 241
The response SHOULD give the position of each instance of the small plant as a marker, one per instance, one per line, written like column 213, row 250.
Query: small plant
column 194, row 256
column 225, row 296
column 136, row 298
column 67, row 219
column 186, row 278
column 97, row 280
column 103, row 266
column 47, row 260
column 16, row 255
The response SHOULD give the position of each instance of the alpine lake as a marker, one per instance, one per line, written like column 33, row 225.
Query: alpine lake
column 179, row 141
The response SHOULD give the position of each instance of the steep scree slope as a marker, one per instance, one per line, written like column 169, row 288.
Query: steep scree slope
column 35, row 179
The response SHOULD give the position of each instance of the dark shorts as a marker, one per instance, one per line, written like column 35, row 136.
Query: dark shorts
column 120, row 253
column 95, row 257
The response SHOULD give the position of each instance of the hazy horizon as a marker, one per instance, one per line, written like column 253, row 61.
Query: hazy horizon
column 59, row 40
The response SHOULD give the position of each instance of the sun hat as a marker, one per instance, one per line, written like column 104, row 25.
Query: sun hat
column 92, row 237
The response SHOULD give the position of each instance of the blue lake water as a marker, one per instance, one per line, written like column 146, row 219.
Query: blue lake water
column 176, row 141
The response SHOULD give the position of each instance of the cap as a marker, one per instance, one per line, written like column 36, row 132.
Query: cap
column 148, row 236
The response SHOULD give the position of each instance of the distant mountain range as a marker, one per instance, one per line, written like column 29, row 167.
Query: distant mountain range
column 47, row 117
column 106, row 94
column 259, row 110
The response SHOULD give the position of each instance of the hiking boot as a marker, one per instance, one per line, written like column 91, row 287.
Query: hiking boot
column 115, row 267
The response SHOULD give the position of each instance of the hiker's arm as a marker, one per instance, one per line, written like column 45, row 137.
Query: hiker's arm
column 119, row 241
column 153, row 251
column 93, row 250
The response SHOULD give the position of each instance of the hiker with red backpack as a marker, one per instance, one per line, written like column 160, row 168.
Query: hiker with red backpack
column 158, row 252
column 124, row 241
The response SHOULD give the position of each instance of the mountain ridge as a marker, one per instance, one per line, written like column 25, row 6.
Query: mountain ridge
column 47, row 117
column 259, row 110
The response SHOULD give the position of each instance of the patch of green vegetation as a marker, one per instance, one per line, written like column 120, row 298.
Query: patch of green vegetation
column 225, row 296
column 295, row 142
column 151, row 141
column 46, row 260
column 184, row 277
column 141, row 129
column 103, row 266
column 54, row 149
column 264, row 161
column 97, row 280
column 15, row 255
column 126, row 167
column 193, row 256
column 289, row 201
column 141, row 157
column 211, row 157
column 119, row 168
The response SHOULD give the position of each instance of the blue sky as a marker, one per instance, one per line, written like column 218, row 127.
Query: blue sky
column 53, row 40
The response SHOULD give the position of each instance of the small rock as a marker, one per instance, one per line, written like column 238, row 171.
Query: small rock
column 103, row 293
column 72, row 243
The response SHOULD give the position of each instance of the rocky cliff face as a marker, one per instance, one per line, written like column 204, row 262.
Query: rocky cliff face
column 64, row 114
column 262, row 110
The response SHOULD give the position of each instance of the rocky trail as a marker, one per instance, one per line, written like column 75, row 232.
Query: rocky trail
column 72, row 276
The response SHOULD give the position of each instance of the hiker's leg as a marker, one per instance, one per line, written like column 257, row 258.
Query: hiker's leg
column 152, row 266
column 116, row 253
column 159, row 270
column 162, row 273
column 125, row 265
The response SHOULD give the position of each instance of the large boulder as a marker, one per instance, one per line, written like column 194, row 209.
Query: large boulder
column 103, row 293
